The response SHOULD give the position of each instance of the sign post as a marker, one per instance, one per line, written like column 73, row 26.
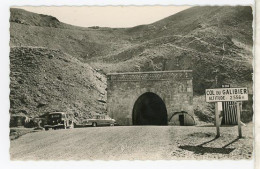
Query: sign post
column 239, row 107
column 227, row 94
column 217, row 119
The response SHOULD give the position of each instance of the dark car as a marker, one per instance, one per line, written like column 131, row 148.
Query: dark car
column 59, row 120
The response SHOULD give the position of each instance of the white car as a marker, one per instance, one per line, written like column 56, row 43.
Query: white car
column 100, row 120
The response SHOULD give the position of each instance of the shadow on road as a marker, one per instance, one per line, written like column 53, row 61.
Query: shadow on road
column 199, row 149
column 212, row 125
column 207, row 142
column 203, row 150
column 231, row 142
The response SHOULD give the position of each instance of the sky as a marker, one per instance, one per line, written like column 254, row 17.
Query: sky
column 107, row 16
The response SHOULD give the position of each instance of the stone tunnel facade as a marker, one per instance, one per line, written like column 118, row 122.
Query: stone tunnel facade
column 173, row 87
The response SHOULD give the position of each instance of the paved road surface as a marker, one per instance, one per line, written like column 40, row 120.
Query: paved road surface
column 133, row 143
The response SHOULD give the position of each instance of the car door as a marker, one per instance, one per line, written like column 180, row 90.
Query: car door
column 98, row 120
column 107, row 120
column 66, row 120
column 102, row 120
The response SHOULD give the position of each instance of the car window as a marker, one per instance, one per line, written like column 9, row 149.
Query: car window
column 55, row 116
column 107, row 117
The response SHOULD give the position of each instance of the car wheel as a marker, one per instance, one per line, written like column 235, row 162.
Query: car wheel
column 94, row 124
column 46, row 128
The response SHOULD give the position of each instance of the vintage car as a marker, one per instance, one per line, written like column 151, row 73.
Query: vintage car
column 100, row 120
column 59, row 120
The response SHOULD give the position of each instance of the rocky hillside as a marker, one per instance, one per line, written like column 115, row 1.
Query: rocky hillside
column 215, row 42
column 30, row 19
column 199, row 38
column 45, row 80
column 202, row 39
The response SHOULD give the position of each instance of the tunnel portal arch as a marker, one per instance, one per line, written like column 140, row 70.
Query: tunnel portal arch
column 124, row 91
column 149, row 109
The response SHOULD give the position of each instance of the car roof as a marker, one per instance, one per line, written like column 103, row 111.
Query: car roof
column 58, row 113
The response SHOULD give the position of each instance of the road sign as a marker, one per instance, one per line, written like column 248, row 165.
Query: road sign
column 223, row 95
column 226, row 94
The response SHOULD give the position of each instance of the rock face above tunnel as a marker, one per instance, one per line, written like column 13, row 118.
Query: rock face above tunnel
column 125, row 90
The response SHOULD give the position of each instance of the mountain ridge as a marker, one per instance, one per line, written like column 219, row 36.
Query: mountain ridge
column 206, row 40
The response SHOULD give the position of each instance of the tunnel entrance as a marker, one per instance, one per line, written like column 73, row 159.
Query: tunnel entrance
column 181, row 119
column 149, row 109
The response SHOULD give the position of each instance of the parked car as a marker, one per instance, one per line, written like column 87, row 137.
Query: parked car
column 100, row 120
column 59, row 120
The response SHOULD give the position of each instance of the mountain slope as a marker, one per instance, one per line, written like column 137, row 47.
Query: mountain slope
column 47, row 31
column 46, row 80
column 32, row 19
column 213, row 41
column 192, row 20
column 203, row 39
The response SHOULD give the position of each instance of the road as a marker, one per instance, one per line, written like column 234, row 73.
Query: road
column 134, row 143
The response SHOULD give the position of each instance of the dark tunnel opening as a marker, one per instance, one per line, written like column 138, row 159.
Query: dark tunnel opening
column 149, row 109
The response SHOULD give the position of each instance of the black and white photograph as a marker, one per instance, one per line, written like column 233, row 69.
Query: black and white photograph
column 131, row 83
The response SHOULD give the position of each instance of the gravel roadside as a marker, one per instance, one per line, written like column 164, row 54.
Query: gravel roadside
column 134, row 143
